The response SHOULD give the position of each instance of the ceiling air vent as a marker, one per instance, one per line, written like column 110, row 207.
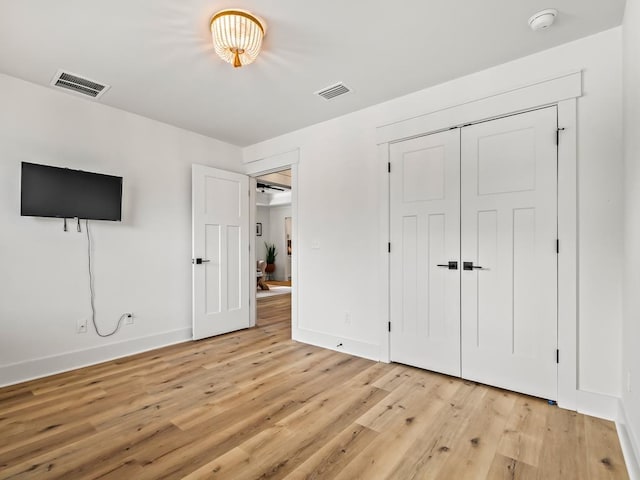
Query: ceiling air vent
column 333, row 91
column 78, row 84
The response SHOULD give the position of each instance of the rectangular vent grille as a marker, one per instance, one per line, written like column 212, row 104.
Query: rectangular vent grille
column 78, row 84
column 333, row 91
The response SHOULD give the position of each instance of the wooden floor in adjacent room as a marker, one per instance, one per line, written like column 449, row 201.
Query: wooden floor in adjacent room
column 254, row 404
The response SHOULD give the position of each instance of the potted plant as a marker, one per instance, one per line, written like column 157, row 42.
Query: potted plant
column 271, row 257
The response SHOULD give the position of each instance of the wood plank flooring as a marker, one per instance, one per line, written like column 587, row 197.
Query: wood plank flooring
column 256, row 405
column 282, row 283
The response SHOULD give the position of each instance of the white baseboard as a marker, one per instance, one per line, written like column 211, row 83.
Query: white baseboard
column 42, row 367
column 629, row 443
column 612, row 408
column 597, row 405
column 331, row 342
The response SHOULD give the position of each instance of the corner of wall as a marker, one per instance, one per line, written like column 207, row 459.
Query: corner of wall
column 629, row 443
column 629, row 420
column 338, row 344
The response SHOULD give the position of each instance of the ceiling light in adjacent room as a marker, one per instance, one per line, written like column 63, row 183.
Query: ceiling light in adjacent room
column 237, row 36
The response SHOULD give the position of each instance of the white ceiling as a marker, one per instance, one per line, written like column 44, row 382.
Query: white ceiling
column 158, row 58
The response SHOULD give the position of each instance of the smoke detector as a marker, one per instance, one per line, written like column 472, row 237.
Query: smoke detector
column 543, row 19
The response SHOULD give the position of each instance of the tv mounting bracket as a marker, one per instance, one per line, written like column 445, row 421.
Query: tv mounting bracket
column 78, row 229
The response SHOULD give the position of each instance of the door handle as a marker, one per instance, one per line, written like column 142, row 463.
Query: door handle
column 471, row 266
column 199, row 261
column 451, row 265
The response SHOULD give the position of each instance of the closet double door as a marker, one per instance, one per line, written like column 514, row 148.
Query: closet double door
column 473, row 265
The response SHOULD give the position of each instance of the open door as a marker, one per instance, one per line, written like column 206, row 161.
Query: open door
column 221, row 233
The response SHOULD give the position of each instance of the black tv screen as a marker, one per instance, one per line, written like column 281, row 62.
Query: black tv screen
column 60, row 192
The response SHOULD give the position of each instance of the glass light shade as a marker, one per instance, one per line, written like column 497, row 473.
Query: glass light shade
column 237, row 36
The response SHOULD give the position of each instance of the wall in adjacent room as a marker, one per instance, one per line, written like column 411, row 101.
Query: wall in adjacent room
column 340, row 238
column 631, row 324
column 277, row 237
column 141, row 265
column 263, row 216
column 272, row 219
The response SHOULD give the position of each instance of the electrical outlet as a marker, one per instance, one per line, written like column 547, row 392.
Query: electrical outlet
column 129, row 319
column 628, row 381
column 81, row 326
column 347, row 318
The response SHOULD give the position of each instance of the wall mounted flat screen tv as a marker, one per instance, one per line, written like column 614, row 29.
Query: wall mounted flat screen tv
column 63, row 193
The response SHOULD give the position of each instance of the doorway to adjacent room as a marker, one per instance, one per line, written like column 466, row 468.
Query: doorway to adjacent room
column 273, row 247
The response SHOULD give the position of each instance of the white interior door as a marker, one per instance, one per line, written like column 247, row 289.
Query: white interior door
column 220, row 251
column 509, row 232
column 425, row 237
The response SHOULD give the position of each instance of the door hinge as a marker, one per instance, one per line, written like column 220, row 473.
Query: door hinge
column 389, row 167
column 389, row 247
column 389, row 326
column 557, row 245
column 557, row 356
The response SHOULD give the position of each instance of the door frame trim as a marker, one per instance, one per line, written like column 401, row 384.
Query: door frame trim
column 563, row 92
column 256, row 168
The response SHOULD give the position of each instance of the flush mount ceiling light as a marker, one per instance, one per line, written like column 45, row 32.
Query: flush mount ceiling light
column 237, row 36
column 543, row 19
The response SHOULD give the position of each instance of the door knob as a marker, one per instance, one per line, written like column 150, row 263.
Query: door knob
column 470, row 266
column 451, row 265
column 199, row 261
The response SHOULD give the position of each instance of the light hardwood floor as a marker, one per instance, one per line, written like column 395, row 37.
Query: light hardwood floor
column 285, row 283
column 254, row 404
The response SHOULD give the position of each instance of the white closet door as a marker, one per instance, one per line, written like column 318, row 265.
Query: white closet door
column 425, row 233
column 509, row 229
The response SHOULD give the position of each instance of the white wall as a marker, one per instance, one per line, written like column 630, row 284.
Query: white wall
column 277, row 237
column 272, row 219
column 263, row 216
column 631, row 325
column 339, row 231
column 142, row 265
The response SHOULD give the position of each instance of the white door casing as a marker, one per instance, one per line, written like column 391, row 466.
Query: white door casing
column 509, row 229
column 563, row 91
column 425, row 233
column 221, row 233
column 492, row 202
